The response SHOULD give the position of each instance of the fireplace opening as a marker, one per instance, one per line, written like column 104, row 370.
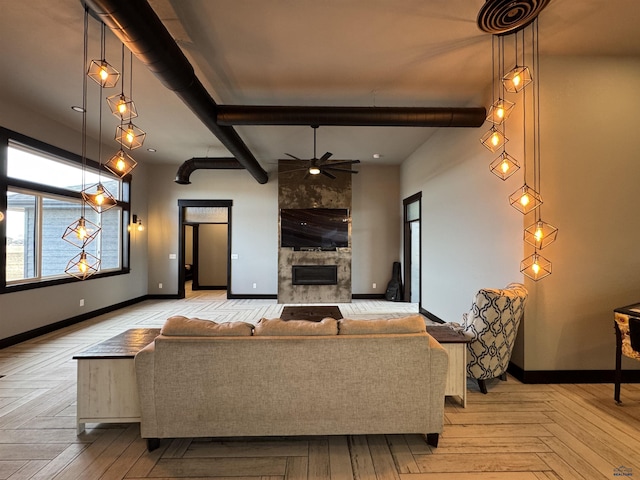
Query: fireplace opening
column 314, row 274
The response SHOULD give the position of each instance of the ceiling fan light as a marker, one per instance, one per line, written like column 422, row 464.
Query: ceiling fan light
column 314, row 170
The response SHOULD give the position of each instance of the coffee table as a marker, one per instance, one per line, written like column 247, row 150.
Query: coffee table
column 455, row 343
column 315, row 313
column 107, row 391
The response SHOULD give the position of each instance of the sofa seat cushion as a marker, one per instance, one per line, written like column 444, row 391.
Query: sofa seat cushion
column 409, row 324
column 277, row 327
column 196, row 327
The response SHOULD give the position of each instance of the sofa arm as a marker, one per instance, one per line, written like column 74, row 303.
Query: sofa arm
column 145, row 378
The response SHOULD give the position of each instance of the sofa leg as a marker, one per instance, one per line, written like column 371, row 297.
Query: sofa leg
column 483, row 386
column 152, row 444
column 432, row 439
column 503, row 377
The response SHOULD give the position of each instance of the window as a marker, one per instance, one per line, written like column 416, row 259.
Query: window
column 42, row 188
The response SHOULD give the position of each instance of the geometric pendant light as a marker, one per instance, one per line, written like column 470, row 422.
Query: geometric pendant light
column 130, row 136
column 540, row 234
column 525, row 199
column 500, row 111
column 504, row 166
column 516, row 79
column 535, row 266
column 121, row 163
column 99, row 198
column 81, row 232
column 83, row 265
column 493, row 139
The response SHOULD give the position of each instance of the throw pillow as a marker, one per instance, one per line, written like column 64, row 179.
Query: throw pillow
column 277, row 327
column 196, row 327
column 410, row 324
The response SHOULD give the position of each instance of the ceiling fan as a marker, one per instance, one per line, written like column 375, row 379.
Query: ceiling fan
column 322, row 165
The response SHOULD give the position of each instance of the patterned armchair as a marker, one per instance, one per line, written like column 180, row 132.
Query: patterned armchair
column 492, row 325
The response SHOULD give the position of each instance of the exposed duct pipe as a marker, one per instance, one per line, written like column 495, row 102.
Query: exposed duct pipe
column 351, row 116
column 187, row 168
column 136, row 24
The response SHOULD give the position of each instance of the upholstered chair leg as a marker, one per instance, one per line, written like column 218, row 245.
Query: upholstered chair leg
column 432, row 439
column 503, row 377
column 483, row 386
column 152, row 444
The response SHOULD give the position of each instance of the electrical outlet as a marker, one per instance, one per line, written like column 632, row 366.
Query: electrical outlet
column 255, row 285
column 160, row 285
column 375, row 285
column 82, row 302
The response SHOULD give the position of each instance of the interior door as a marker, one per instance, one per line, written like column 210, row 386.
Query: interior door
column 412, row 248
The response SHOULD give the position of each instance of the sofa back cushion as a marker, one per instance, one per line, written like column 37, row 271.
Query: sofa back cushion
column 410, row 324
column 196, row 327
column 277, row 327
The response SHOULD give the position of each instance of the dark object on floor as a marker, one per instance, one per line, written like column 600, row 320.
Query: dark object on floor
column 394, row 287
column 315, row 313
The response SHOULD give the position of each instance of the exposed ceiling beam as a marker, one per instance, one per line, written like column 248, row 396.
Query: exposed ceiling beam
column 351, row 116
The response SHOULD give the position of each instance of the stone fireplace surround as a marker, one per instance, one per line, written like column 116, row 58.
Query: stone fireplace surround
column 315, row 191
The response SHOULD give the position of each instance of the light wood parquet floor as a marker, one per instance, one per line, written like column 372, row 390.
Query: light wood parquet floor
column 516, row 432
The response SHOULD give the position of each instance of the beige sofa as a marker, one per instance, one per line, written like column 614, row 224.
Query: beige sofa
column 347, row 377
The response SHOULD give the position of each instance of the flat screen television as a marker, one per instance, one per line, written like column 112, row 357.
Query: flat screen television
column 324, row 228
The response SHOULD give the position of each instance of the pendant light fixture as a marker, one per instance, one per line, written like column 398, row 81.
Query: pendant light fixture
column 502, row 18
column 101, row 71
column 83, row 265
column 123, row 107
column 97, row 196
column 82, row 231
column 536, row 267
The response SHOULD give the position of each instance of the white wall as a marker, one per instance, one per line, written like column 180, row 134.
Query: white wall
column 590, row 171
column 254, row 226
column 471, row 236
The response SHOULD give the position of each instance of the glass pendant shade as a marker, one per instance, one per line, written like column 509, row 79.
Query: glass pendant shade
column 504, row 166
column 540, row 234
column 121, row 163
column 99, row 198
column 122, row 106
column 516, row 79
column 101, row 72
column 500, row 111
column 81, row 232
column 535, row 267
column 82, row 265
column 525, row 199
column 493, row 139
column 130, row 136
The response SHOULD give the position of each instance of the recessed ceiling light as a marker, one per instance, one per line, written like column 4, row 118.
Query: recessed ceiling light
column 377, row 155
column 152, row 150
column 77, row 108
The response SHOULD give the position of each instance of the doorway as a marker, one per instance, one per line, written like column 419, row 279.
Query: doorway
column 204, row 245
column 412, row 233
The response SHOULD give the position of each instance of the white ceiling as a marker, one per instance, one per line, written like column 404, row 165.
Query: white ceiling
column 291, row 52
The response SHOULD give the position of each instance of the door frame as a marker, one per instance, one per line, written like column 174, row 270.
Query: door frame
column 182, row 204
column 406, row 231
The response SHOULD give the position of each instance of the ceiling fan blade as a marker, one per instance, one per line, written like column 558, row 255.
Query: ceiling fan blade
column 340, row 170
column 294, row 157
column 325, row 157
column 342, row 162
column 331, row 176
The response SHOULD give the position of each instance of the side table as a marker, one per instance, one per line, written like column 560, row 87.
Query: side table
column 107, row 391
column 455, row 343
